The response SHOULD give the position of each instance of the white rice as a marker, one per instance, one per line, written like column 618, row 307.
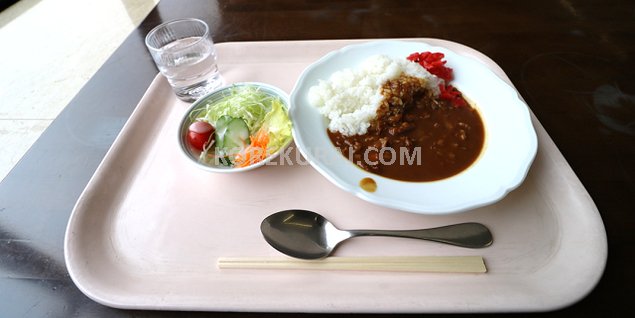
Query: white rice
column 350, row 97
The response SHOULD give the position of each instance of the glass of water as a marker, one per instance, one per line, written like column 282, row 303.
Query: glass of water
column 183, row 51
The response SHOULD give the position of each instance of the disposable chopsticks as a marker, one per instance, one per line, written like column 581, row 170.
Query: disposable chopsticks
column 437, row 264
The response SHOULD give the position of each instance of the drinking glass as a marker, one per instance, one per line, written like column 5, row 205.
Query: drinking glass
column 184, row 52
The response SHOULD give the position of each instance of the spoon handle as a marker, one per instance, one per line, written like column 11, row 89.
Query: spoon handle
column 473, row 235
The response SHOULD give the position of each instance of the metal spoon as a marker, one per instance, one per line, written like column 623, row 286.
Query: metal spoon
column 308, row 235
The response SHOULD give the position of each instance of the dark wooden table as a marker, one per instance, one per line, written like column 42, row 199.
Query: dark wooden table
column 572, row 61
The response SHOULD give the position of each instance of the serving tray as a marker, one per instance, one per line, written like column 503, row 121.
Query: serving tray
column 148, row 229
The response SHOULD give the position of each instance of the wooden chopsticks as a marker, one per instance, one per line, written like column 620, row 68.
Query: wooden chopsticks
column 436, row 264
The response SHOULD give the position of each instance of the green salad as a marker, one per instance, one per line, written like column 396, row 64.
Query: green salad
column 241, row 128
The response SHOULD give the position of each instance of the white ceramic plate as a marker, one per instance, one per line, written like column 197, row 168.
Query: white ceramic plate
column 509, row 149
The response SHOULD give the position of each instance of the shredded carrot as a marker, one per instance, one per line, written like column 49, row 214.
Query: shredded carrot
column 256, row 151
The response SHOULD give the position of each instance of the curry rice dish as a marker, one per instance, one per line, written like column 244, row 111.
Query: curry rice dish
column 414, row 135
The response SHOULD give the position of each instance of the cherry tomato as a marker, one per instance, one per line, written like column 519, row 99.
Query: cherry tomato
column 199, row 133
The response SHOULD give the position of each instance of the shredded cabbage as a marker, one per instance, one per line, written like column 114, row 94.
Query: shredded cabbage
column 246, row 102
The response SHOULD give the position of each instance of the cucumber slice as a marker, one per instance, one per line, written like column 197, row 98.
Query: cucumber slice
column 221, row 130
column 236, row 136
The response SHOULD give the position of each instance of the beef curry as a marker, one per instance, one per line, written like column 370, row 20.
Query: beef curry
column 416, row 136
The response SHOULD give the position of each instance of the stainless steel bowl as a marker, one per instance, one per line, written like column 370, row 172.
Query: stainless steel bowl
column 193, row 155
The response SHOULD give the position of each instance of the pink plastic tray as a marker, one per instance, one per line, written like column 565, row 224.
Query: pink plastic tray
column 149, row 227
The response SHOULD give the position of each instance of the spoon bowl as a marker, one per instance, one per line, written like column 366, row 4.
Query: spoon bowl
column 308, row 235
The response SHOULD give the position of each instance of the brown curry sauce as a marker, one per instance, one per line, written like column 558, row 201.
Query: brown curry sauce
column 419, row 137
